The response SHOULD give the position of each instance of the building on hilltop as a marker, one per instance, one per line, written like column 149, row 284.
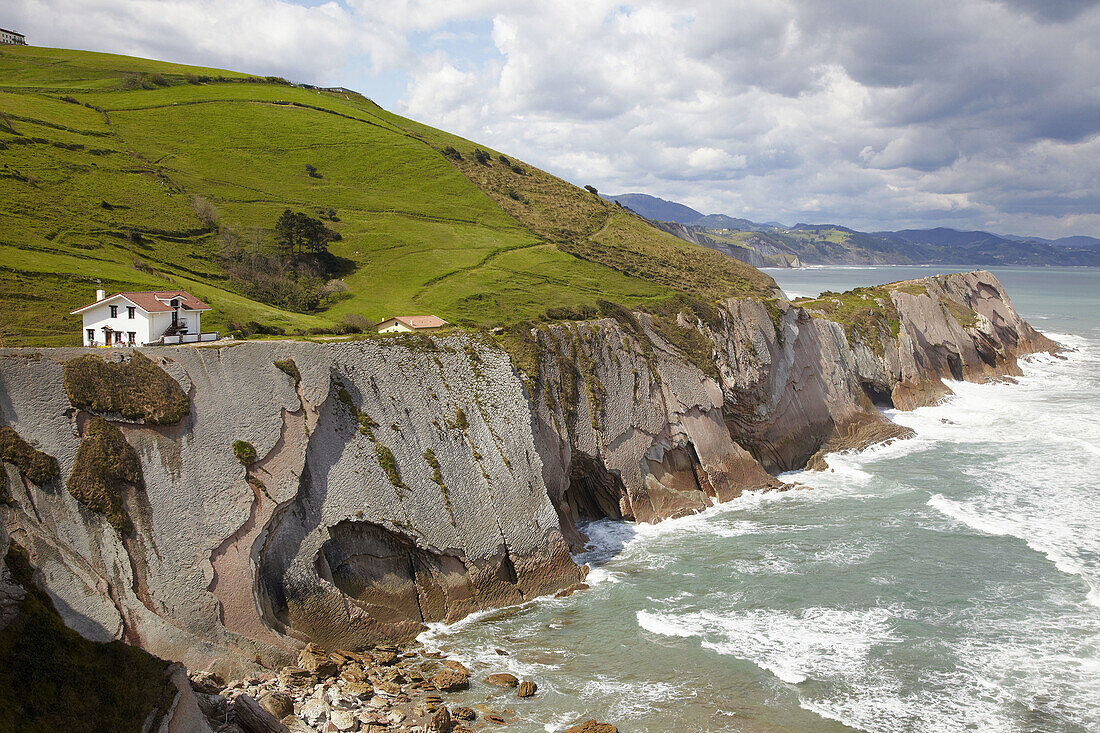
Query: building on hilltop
column 11, row 38
column 137, row 319
column 398, row 324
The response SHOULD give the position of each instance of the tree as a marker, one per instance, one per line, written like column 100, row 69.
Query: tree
column 592, row 190
column 297, row 234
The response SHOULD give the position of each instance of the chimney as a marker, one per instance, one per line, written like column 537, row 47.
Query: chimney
column 100, row 295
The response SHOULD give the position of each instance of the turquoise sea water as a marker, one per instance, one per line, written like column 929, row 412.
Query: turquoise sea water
column 949, row 582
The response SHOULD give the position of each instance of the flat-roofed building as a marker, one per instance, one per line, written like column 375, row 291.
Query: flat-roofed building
column 11, row 38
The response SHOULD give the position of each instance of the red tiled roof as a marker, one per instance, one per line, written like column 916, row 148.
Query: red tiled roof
column 151, row 301
column 418, row 321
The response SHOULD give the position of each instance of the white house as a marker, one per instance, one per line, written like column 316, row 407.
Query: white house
column 410, row 323
column 136, row 319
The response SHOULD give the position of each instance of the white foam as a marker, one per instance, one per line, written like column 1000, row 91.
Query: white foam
column 816, row 642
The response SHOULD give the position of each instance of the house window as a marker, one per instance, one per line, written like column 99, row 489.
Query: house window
column 175, row 304
column 130, row 311
column 131, row 336
column 114, row 311
column 91, row 336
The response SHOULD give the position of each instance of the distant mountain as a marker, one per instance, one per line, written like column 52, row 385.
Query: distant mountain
column 1080, row 242
column 774, row 245
column 656, row 209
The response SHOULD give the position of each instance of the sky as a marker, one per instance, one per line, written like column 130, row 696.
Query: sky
column 875, row 114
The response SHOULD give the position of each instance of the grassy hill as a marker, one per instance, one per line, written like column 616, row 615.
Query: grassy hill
column 126, row 173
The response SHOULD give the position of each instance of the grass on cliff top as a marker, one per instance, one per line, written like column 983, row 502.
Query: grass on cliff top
column 53, row 679
column 868, row 314
column 99, row 183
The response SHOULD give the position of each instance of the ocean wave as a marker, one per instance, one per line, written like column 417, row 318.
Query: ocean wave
column 815, row 642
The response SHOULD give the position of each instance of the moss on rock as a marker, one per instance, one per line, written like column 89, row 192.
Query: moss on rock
column 106, row 465
column 245, row 452
column 290, row 368
column 36, row 466
column 389, row 465
column 137, row 389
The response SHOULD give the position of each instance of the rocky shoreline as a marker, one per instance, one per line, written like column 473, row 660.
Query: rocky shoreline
column 387, row 688
column 225, row 507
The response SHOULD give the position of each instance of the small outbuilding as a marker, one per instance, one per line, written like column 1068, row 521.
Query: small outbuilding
column 398, row 324
column 140, row 318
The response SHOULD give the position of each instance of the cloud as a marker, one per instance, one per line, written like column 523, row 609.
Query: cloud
column 944, row 112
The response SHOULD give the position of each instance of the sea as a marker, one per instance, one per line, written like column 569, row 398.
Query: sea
column 950, row 582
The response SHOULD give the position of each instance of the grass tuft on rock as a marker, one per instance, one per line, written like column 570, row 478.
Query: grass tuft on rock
column 137, row 389
column 53, row 679
column 105, row 467
column 290, row 368
column 245, row 452
column 389, row 465
column 36, row 466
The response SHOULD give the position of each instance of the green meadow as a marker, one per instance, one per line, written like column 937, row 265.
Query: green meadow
column 105, row 161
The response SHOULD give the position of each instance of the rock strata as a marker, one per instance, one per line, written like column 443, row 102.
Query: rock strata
column 408, row 480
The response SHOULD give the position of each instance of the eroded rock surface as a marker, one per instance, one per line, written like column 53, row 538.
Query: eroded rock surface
column 406, row 480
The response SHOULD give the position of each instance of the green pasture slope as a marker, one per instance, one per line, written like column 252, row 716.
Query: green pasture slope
column 103, row 156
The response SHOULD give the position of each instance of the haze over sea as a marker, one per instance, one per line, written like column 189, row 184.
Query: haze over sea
column 949, row 582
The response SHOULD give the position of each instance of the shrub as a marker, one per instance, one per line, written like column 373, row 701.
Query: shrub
column 355, row 323
column 592, row 190
column 205, row 211
column 136, row 389
column 460, row 420
column 106, row 465
column 69, row 99
column 568, row 313
column 518, row 169
column 158, row 79
column 36, row 466
column 450, row 152
column 482, row 157
column 244, row 452
column 311, row 171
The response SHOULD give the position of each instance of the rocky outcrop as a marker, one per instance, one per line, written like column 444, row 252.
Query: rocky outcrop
column 341, row 532
column 397, row 481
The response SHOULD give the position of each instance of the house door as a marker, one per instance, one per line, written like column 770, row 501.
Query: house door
column 91, row 337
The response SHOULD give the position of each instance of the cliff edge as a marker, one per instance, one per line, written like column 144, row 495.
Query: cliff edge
column 223, row 506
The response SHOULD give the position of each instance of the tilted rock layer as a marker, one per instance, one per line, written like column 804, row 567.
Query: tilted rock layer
column 407, row 480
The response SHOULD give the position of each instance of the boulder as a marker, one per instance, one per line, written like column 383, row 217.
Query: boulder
column 464, row 713
column 441, row 721
column 502, row 679
column 449, row 680
column 317, row 661
column 591, row 726
column 278, row 704
column 343, row 720
column 314, row 711
column 526, row 689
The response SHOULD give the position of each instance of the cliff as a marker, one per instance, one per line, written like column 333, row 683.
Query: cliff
column 346, row 493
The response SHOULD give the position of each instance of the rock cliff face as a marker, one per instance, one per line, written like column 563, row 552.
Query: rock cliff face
column 348, row 493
